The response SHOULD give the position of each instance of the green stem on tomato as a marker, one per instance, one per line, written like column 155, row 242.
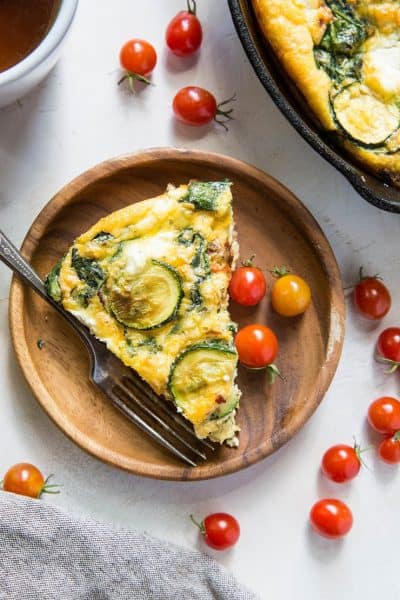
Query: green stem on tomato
column 191, row 6
column 358, row 450
column 199, row 525
column 396, row 436
column 226, row 114
column 393, row 366
column 273, row 372
column 49, row 488
column 279, row 271
column 131, row 78
column 361, row 277
column 249, row 262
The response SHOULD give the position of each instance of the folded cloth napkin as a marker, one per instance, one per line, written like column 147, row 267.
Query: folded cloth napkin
column 46, row 554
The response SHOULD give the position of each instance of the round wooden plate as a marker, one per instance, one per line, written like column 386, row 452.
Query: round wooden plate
column 272, row 223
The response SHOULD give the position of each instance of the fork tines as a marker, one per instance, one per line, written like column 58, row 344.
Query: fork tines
column 154, row 416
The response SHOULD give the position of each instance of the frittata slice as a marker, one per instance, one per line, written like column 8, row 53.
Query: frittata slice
column 344, row 56
column 150, row 281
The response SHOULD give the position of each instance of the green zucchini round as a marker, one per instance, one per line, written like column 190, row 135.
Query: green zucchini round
column 364, row 118
column 201, row 380
column 149, row 299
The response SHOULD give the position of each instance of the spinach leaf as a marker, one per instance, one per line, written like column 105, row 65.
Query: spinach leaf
column 52, row 284
column 88, row 270
column 346, row 32
column 102, row 236
column 186, row 236
column 338, row 53
column 200, row 260
column 204, row 195
column 148, row 342
column 195, row 295
column 201, row 267
column 339, row 67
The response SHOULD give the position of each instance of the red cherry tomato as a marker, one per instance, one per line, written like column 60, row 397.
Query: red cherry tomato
column 341, row 463
column 257, row 346
column 27, row 480
column 184, row 33
column 220, row 530
column 388, row 347
column 372, row 298
column 138, row 57
column 196, row 106
column 247, row 285
column 389, row 449
column 331, row 518
column 384, row 415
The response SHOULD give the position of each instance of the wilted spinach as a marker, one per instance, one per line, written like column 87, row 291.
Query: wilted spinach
column 89, row 271
column 338, row 52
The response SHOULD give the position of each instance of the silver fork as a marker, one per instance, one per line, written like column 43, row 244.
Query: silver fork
column 123, row 386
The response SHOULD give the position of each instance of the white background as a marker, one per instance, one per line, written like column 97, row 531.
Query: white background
column 79, row 117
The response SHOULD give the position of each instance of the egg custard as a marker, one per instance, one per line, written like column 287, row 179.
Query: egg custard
column 150, row 281
column 344, row 56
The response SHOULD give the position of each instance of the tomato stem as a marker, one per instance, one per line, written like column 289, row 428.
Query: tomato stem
column 249, row 262
column 361, row 277
column 396, row 436
column 49, row 488
column 131, row 78
column 273, row 373
column 279, row 271
column 226, row 114
column 191, row 6
column 358, row 450
column 199, row 525
column 393, row 364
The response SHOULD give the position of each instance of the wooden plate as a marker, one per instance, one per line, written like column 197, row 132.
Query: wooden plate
column 272, row 223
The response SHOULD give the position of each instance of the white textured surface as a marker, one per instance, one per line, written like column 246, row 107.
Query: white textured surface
column 79, row 117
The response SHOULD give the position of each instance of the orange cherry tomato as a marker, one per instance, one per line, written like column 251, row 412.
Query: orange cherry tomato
column 26, row 479
column 290, row 296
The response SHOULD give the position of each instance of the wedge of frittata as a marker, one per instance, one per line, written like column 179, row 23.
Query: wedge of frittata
column 150, row 281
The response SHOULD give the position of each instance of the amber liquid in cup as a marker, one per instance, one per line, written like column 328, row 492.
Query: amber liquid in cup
column 23, row 25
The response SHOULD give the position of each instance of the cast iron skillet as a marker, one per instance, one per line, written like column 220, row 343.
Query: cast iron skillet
column 291, row 103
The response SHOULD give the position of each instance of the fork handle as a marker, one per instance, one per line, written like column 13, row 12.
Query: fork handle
column 15, row 261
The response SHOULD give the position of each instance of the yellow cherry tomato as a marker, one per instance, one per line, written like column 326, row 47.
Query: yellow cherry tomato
column 290, row 296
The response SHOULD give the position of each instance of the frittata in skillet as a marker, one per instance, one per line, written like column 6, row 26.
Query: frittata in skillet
column 344, row 56
column 150, row 281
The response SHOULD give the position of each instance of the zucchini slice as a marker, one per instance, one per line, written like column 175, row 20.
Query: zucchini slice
column 364, row 118
column 201, row 381
column 148, row 299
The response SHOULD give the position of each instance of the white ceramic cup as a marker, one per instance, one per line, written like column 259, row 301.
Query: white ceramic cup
column 18, row 80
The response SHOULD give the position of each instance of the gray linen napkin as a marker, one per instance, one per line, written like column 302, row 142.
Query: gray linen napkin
column 45, row 554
